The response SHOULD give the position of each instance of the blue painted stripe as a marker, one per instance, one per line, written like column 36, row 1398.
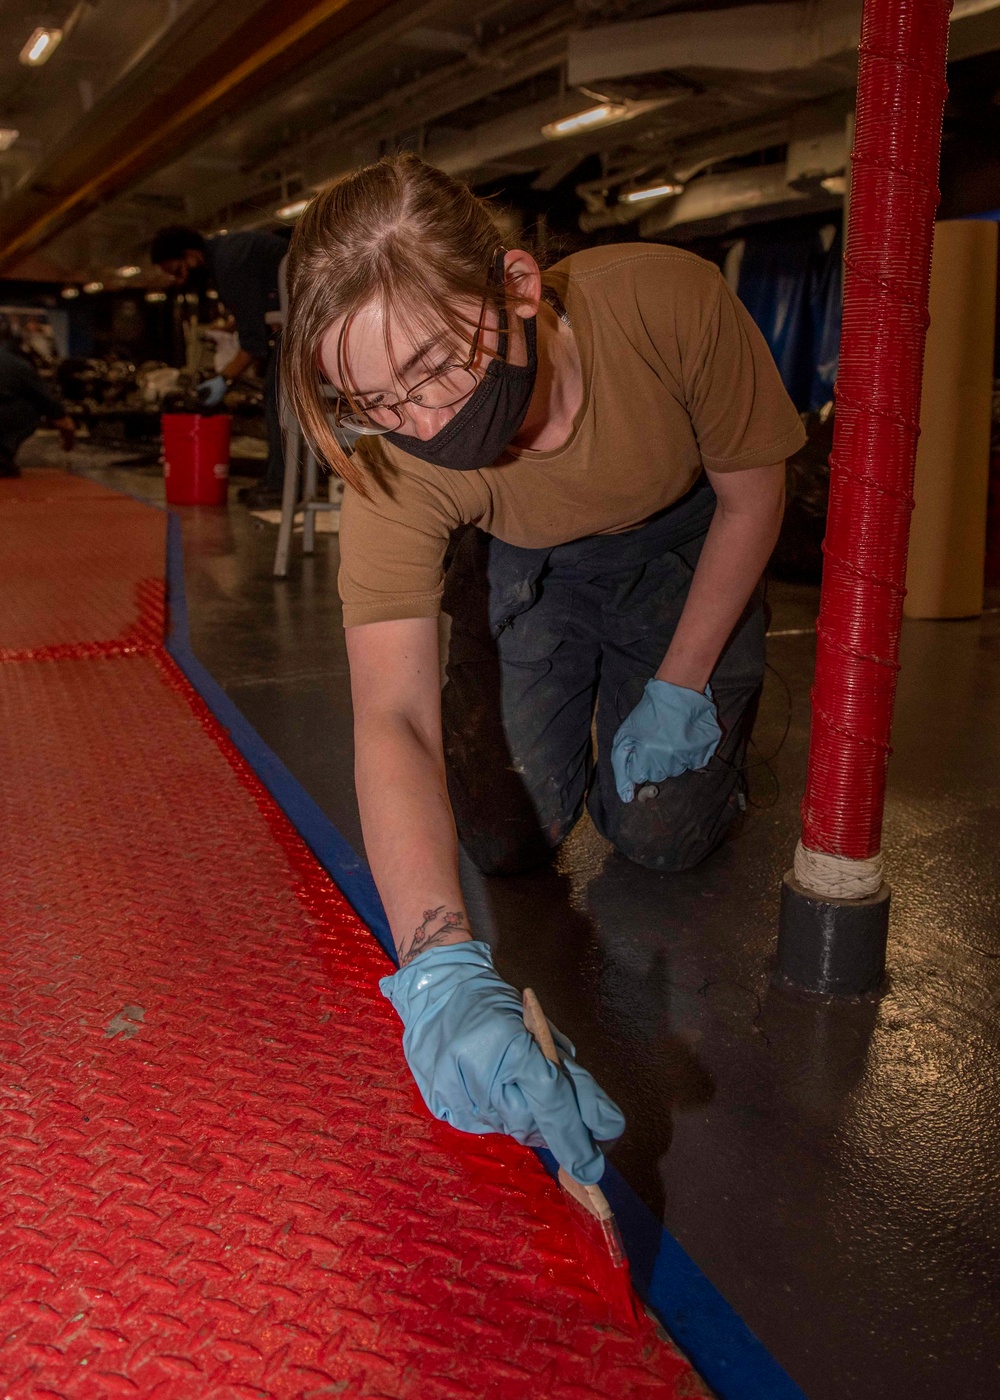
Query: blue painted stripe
column 720, row 1345
column 726, row 1354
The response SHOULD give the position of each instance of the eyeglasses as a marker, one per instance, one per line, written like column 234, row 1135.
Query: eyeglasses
column 373, row 415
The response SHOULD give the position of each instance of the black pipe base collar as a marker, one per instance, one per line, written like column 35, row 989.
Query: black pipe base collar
column 831, row 947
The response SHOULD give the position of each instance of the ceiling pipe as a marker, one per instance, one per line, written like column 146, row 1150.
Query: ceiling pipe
column 757, row 187
column 752, row 38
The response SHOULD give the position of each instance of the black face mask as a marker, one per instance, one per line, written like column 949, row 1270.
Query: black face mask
column 489, row 420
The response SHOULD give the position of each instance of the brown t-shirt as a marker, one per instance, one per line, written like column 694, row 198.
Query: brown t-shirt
column 676, row 376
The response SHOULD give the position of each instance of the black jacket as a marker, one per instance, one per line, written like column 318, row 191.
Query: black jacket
column 244, row 268
column 20, row 384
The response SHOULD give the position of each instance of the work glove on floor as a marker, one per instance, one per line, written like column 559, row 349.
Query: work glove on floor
column 212, row 392
column 671, row 730
column 478, row 1069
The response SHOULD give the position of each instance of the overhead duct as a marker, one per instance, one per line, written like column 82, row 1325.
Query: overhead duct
column 975, row 28
column 759, row 187
column 752, row 39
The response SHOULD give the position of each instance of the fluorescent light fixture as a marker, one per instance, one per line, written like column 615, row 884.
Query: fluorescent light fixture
column 156, row 296
column 93, row 287
column 130, row 270
column 70, row 292
column 584, row 121
column 7, row 137
column 292, row 211
column 660, row 191
column 835, row 184
column 40, row 47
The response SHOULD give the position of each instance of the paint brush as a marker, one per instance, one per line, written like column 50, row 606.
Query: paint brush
column 589, row 1204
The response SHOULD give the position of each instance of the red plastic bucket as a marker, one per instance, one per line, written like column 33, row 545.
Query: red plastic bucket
column 196, row 458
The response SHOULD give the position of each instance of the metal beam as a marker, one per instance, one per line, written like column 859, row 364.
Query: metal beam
column 354, row 139
column 369, row 41
column 198, row 73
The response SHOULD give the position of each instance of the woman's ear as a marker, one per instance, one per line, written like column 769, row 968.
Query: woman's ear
column 523, row 280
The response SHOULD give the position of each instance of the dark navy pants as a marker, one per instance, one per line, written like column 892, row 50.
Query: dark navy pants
column 18, row 420
column 543, row 642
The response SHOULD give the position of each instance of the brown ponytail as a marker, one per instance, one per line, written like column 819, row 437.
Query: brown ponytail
column 399, row 233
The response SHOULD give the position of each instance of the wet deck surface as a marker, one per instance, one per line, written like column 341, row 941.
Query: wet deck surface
column 834, row 1170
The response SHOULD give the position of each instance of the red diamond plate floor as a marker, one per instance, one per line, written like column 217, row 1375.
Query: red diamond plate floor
column 216, row 1176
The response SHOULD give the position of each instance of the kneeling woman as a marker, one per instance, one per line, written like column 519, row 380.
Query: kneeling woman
column 611, row 435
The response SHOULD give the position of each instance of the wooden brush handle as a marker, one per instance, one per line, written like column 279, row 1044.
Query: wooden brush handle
column 536, row 1025
column 592, row 1198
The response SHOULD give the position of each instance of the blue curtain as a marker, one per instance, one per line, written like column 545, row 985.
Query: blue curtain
column 791, row 286
column 825, row 302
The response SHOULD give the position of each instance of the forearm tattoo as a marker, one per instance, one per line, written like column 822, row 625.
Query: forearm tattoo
column 437, row 928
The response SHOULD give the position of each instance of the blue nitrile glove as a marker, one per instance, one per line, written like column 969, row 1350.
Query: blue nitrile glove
column 670, row 731
column 478, row 1069
column 213, row 391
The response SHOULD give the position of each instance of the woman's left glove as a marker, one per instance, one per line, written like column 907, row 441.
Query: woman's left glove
column 671, row 730
column 478, row 1069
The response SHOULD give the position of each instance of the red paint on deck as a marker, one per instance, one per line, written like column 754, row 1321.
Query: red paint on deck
column 71, row 560
column 216, row 1176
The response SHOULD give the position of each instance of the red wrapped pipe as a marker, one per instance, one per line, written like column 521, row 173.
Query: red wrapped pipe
column 901, row 94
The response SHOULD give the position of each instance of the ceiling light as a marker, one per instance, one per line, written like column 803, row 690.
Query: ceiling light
column 7, row 137
column 585, row 121
column 70, row 292
column 292, row 211
column 212, row 294
column 93, row 287
column 128, row 271
column 40, row 47
column 835, row 184
column 659, row 191
column 156, row 296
